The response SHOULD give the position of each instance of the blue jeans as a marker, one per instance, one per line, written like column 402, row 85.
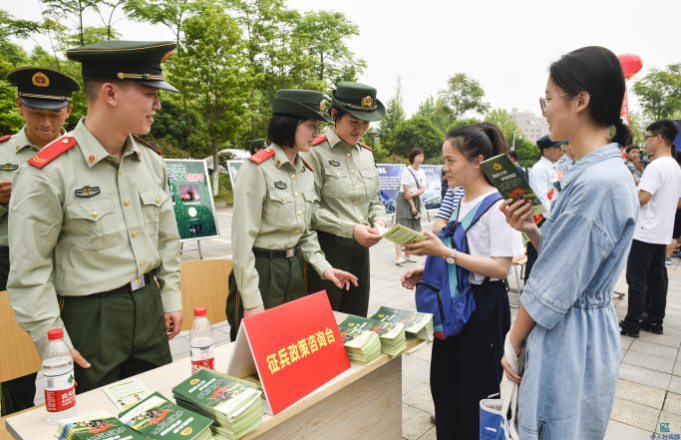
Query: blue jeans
column 646, row 272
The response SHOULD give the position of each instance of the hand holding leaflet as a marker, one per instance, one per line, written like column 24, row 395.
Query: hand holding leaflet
column 401, row 234
column 510, row 183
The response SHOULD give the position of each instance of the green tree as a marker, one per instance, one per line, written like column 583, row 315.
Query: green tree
column 90, row 35
column 418, row 132
column 437, row 111
column 394, row 115
column 74, row 11
column 461, row 122
column 213, row 68
column 10, row 27
column 463, row 94
column 659, row 92
column 528, row 152
column 638, row 127
column 325, row 35
column 506, row 123
column 170, row 126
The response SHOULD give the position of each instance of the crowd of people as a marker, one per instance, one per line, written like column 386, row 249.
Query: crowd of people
column 95, row 248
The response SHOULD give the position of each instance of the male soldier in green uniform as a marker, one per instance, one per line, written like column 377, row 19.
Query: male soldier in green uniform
column 257, row 145
column 44, row 100
column 273, row 201
column 102, row 259
column 350, row 203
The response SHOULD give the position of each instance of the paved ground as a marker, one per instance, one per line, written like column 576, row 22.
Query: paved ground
column 649, row 390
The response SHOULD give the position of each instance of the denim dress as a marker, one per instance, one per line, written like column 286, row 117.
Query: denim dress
column 573, row 353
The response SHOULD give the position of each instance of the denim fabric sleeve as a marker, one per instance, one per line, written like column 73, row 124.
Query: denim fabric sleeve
column 570, row 254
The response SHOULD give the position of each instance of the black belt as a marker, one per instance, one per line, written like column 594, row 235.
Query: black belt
column 267, row 253
column 135, row 284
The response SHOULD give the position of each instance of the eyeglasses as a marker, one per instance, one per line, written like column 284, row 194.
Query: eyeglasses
column 648, row 136
column 543, row 102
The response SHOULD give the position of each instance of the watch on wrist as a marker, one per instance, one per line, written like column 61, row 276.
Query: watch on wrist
column 452, row 258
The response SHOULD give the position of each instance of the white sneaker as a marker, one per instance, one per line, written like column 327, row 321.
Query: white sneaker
column 400, row 261
column 410, row 259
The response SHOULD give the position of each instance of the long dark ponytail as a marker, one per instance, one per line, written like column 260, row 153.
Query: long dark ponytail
column 483, row 139
column 597, row 71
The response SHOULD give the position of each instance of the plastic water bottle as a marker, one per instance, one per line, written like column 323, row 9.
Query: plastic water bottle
column 60, row 383
column 201, row 342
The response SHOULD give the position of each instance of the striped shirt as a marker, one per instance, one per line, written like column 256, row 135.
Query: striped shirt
column 450, row 202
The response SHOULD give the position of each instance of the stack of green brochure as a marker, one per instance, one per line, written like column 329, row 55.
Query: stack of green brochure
column 361, row 344
column 418, row 325
column 100, row 426
column 235, row 408
column 157, row 418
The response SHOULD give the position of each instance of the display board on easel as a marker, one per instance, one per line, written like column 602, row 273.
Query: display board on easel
column 192, row 200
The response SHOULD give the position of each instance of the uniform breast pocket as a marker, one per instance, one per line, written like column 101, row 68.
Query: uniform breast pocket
column 335, row 183
column 93, row 224
column 280, row 209
column 309, row 204
column 370, row 178
column 151, row 207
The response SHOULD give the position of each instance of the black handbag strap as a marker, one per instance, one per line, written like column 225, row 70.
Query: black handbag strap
column 414, row 176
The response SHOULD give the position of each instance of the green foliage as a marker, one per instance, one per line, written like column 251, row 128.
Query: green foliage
column 393, row 159
column 394, row 116
column 638, row 126
column 418, row 132
column 659, row 92
column 74, row 11
column 90, row 35
column 437, row 111
column 463, row 94
column 461, row 122
column 435, row 160
column 9, row 27
column 169, row 149
column 171, row 126
column 528, row 152
column 506, row 123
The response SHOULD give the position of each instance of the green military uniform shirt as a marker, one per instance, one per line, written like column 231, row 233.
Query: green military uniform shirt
column 86, row 223
column 14, row 152
column 273, row 204
column 348, row 184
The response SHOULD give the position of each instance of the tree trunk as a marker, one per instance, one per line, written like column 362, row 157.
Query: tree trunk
column 252, row 121
column 216, row 167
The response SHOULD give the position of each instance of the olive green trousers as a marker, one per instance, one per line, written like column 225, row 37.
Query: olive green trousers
column 281, row 280
column 348, row 255
column 120, row 333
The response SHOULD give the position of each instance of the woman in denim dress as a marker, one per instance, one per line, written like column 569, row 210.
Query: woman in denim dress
column 567, row 317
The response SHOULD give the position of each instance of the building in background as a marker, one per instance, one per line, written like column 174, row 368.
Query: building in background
column 531, row 126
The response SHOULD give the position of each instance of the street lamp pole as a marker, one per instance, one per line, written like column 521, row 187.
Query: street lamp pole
column 514, row 136
column 372, row 134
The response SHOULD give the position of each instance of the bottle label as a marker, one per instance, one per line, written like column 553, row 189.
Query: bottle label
column 202, row 357
column 60, row 392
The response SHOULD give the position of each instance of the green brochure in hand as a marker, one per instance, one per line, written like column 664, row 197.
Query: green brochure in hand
column 510, row 183
column 158, row 418
column 418, row 325
column 95, row 426
column 401, row 234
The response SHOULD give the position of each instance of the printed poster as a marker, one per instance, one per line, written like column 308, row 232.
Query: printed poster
column 192, row 199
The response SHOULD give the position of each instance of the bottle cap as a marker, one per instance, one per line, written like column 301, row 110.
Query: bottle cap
column 55, row 333
column 200, row 311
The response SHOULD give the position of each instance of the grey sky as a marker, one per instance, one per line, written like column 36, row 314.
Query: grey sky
column 506, row 45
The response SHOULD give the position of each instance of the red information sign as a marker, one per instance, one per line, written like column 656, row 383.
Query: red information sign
column 296, row 348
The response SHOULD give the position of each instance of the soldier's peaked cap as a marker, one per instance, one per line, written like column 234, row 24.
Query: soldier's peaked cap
column 43, row 88
column 138, row 61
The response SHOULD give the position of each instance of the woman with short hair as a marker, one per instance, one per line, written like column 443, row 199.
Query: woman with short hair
column 273, row 200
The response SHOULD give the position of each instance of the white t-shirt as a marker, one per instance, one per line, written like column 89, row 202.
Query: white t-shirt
column 490, row 236
column 408, row 179
column 662, row 179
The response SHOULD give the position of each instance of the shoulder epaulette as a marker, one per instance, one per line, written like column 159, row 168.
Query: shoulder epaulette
column 319, row 140
column 306, row 164
column 366, row 146
column 5, row 137
column 262, row 156
column 148, row 144
column 52, row 151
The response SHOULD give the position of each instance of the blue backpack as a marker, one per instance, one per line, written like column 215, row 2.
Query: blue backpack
column 444, row 289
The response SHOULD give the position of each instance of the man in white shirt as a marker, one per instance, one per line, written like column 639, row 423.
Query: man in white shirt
column 542, row 177
column 660, row 196
column 568, row 160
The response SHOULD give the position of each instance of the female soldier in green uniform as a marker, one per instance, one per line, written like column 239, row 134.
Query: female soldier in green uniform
column 350, row 203
column 273, row 199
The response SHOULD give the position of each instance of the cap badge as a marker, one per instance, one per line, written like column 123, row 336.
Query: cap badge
column 167, row 56
column 40, row 80
column 367, row 101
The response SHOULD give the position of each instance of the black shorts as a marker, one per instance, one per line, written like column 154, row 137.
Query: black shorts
column 677, row 225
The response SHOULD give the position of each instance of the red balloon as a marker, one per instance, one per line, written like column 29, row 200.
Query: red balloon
column 631, row 64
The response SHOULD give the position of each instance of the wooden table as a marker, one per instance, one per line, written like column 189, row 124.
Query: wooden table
column 364, row 402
